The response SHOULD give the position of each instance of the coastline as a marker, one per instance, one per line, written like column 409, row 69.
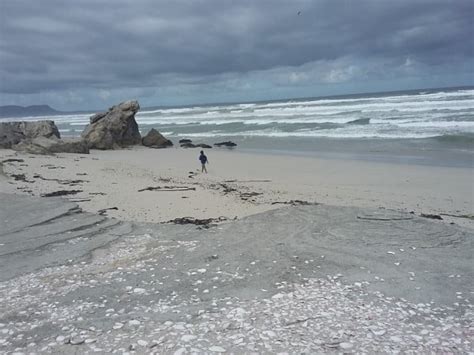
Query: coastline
column 239, row 183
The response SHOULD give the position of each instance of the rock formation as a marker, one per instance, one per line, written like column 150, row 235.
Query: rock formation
column 188, row 143
column 155, row 139
column 12, row 133
column 115, row 128
column 227, row 144
column 43, row 145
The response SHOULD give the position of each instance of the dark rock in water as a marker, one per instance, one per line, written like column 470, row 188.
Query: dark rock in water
column 202, row 145
column 12, row 133
column 61, row 193
column 155, row 139
column 181, row 141
column 115, row 128
column 188, row 145
column 228, row 144
column 42, row 145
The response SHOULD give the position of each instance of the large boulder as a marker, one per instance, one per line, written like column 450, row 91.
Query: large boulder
column 43, row 145
column 115, row 128
column 155, row 139
column 12, row 133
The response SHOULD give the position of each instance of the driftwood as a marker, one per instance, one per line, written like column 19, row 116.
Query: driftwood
column 11, row 160
column 295, row 203
column 168, row 188
column 431, row 216
column 227, row 189
column 104, row 210
column 20, row 177
column 246, row 195
column 205, row 223
column 59, row 181
column 61, row 193
column 468, row 216
column 247, row 180
column 79, row 199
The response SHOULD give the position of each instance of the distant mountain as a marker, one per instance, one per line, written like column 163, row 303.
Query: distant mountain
column 19, row 111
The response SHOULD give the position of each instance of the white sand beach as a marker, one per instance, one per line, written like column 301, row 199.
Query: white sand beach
column 237, row 184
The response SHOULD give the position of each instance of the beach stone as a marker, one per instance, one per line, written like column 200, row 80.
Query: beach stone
column 43, row 145
column 155, row 139
column 217, row 349
column 77, row 340
column 115, row 128
column 12, row 133
column 346, row 345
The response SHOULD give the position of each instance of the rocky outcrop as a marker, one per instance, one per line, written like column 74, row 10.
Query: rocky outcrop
column 12, row 133
column 188, row 143
column 227, row 144
column 115, row 128
column 43, row 145
column 155, row 139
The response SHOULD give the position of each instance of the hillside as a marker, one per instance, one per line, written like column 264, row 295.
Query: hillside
column 18, row 111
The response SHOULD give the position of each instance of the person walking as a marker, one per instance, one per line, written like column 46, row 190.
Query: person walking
column 204, row 161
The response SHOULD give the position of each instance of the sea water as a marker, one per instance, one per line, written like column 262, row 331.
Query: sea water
column 427, row 122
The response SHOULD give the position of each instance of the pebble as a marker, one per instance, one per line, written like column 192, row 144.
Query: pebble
column 134, row 322
column 142, row 342
column 76, row 341
column 188, row 337
column 217, row 349
column 346, row 345
column 117, row 325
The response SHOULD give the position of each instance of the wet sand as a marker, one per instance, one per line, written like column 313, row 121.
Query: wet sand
column 238, row 184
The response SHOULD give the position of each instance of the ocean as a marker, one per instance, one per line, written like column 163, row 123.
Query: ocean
column 440, row 119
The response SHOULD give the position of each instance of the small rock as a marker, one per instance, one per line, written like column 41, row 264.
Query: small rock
column 117, row 325
column 346, row 345
column 76, row 341
column 142, row 342
column 188, row 337
column 217, row 349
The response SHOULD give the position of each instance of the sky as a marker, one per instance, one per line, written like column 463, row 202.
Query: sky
column 91, row 54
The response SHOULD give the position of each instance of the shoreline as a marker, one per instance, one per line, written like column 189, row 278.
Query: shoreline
column 239, row 183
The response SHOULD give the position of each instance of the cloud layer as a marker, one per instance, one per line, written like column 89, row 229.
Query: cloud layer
column 91, row 52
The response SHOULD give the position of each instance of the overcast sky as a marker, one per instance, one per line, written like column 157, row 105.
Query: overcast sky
column 89, row 54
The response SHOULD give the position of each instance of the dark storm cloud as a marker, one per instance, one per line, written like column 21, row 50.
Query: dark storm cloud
column 55, row 45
